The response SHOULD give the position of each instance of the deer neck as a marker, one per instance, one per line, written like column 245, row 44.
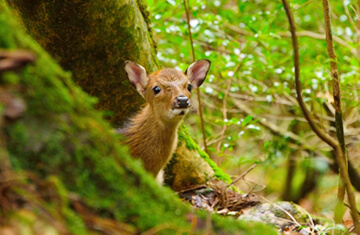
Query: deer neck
column 151, row 139
column 149, row 120
column 150, row 127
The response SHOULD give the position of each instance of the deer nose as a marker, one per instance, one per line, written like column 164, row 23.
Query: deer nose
column 182, row 101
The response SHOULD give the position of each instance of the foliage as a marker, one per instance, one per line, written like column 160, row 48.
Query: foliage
column 252, row 69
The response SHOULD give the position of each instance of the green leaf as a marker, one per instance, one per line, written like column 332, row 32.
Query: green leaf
column 246, row 120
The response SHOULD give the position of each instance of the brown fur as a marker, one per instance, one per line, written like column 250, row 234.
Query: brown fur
column 152, row 135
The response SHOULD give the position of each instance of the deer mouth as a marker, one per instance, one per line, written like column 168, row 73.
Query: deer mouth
column 180, row 111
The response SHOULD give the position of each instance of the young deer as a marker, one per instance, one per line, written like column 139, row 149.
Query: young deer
column 152, row 134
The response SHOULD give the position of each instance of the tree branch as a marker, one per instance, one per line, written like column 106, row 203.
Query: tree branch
column 224, row 111
column 340, row 157
column 321, row 134
column 320, row 36
column 186, row 5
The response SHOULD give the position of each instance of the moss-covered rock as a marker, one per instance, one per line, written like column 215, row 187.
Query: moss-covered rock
column 190, row 165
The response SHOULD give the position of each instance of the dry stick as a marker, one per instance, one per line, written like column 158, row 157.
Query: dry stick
column 242, row 175
column 224, row 111
column 198, row 90
column 320, row 133
column 222, row 135
column 283, row 210
column 5, row 165
column 320, row 36
column 352, row 23
column 303, row 33
column 338, row 116
column 272, row 127
column 358, row 28
column 335, row 76
column 339, row 208
column 347, row 12
column 303, row 5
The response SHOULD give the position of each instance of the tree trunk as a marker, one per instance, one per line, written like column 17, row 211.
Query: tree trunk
column 60, row 135
column 92, row 40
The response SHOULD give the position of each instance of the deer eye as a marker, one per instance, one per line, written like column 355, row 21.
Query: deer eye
column 156, row 89
column 189, row 87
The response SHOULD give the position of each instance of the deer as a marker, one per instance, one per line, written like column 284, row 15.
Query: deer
column 152, row 133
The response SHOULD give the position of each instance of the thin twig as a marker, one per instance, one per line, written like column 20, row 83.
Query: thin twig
column 277, row 100
column 347, row 12
column 303, row 5
column 242, row 175
column 356, row 11
column 334, row 75
column 223, row 130
column 271, row 126
column 303, row 33
column 187, row 11
column 275, row 129
column 283, row 210
column 186, row 5
column 321, row 37
column 320, row 133
column 339, row 208
column 341, row 158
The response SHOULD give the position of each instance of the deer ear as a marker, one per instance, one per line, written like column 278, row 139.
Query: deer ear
column 137, row 76
column 197, row 72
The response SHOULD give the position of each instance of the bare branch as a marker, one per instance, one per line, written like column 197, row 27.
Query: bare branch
column 223, row 130
column 321, row 134
column 321, row 37
column 339, row 150
column 186, row 5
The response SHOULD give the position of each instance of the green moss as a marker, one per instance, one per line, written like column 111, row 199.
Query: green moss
column 10, row 78
column 75, row 224
column 168, row 175
column 145, row 13
column 192, row 145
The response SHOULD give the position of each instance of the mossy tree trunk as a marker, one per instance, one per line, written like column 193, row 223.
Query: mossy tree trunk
column 60, row 136
column 92, row 40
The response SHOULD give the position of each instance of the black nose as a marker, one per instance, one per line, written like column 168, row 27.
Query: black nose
column 182, row 101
